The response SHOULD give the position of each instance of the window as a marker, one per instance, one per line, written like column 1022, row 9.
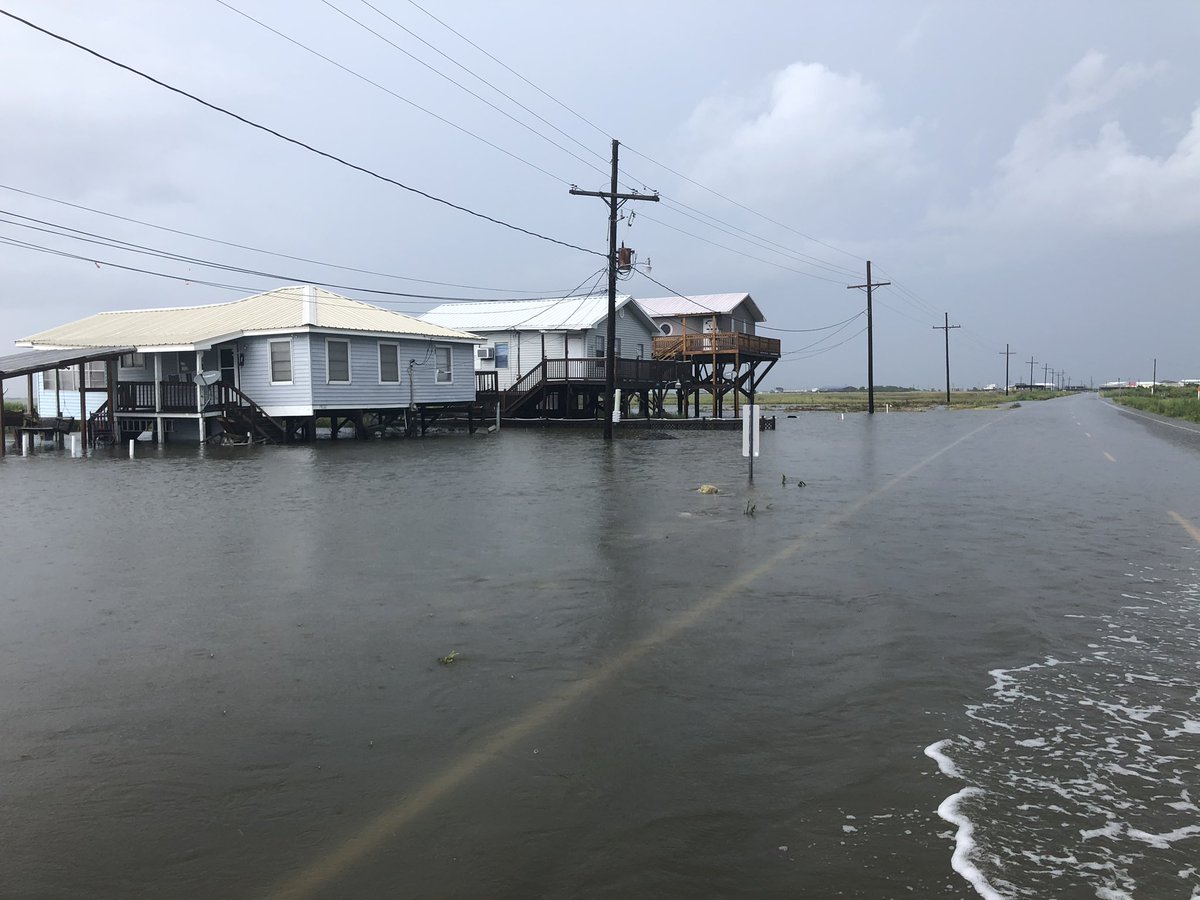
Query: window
column 95, row 374
column 281, row 362
column 133, row 361
column 641, row 351
column 599, row 346
column 337, row 361
column 443, row 361
column 389, row 363
column 501, row 354
column 617, row 347
column 66, row 380
column 665, row 327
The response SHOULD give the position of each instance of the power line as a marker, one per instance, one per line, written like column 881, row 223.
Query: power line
column 295, row 141
column 740, row 252
column 126, row 246
column 387, row 90
column 480, row 78
column 459, row 85
column 814, row 353
column 238, row 246
column 584, row 119
column 503, row 65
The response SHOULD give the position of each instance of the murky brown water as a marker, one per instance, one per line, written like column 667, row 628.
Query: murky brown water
column 219, row 671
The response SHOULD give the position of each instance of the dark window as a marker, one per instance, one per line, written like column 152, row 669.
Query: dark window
column 337, row 361
column 389, row 363
column 502, row 355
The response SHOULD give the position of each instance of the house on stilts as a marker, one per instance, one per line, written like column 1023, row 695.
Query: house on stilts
column 549, row 358
column 714, row 338
column 267, row 366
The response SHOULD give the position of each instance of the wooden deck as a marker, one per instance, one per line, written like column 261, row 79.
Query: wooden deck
column 723, row 343
column 572, row 387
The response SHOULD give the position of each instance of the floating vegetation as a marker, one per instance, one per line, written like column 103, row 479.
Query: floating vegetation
column 448, row 658
column 708, row 489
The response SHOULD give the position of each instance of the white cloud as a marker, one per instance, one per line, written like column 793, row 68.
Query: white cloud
column 1063, row 169
column 807, row 129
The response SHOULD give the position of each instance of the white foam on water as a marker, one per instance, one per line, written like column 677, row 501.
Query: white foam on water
column 964, row 843
column 1100, row 746
column 945, row 763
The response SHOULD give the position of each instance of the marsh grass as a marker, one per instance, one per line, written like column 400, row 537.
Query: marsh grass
column 1175, row 402
column 898, row 401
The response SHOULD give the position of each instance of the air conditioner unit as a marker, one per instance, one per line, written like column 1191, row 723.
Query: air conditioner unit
column 485, row 353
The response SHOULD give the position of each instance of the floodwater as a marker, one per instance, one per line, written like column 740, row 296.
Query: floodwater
column 961, row 660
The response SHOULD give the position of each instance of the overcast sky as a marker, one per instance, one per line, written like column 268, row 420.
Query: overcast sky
column 1031, row 168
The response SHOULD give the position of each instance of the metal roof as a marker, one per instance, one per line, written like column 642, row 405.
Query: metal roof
column 32, row 361
column 699, row 305
column 565, row 314
column 283, row 309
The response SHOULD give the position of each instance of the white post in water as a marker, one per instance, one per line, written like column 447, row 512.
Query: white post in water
column 616, row 410
column 497, row 415
column 750, row 440
column 74, row 444
column 26, row 443
column 132, row 445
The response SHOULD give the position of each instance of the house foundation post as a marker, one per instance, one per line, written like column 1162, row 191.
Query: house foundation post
column 158, row 419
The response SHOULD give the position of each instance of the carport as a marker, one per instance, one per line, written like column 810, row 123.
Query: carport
column 34, row 362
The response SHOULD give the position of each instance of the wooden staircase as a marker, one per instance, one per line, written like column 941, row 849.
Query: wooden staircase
column 241, row 415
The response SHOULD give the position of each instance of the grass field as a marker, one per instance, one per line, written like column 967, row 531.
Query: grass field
column 897, row 401
column 1176, row 402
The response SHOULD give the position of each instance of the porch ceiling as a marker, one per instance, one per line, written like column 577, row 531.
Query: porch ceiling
column 32, row 361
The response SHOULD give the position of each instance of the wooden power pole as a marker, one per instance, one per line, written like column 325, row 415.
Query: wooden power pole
column 946, row 328
column 1006, row 353
column 615, row 201
column 870, row 337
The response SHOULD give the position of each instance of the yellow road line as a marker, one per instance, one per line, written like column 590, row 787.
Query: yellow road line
column 1109, row 456
column 1187, row 526
column 387, row 823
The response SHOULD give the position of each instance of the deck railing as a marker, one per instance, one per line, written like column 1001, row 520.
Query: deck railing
column 681, row 345
column 177, row 396
column 487, row 382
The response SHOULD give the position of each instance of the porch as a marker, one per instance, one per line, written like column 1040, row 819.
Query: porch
column 573, row 387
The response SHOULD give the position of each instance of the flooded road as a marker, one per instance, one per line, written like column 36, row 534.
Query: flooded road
column 220, row 677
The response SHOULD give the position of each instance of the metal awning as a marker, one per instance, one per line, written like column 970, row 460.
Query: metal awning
column 32, row 361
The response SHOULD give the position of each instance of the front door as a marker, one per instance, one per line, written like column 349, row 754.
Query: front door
column 228, row 363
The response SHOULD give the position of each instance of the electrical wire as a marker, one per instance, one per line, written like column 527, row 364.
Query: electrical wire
column 480, row 78
column 389, row 91
column 739, row 252
column 303, row 259
column 127, row 246
column 814, row 354
column 461, row 86
column 508, row 68
column 296, row 141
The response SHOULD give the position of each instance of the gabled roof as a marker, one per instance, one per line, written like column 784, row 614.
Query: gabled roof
column 283, row 309
column 566, row 314
column 699, row 305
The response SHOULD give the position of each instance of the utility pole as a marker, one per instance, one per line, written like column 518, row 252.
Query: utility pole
column 615, row 201
column 1032, row 361
column 1154, row 377
column 946, row 328
column 1045, row 374
column 870, row 337
column 1006, row 354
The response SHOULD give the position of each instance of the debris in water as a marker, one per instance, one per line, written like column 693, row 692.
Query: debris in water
column 708, row 489
column 448, row 658
column 750, row 508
